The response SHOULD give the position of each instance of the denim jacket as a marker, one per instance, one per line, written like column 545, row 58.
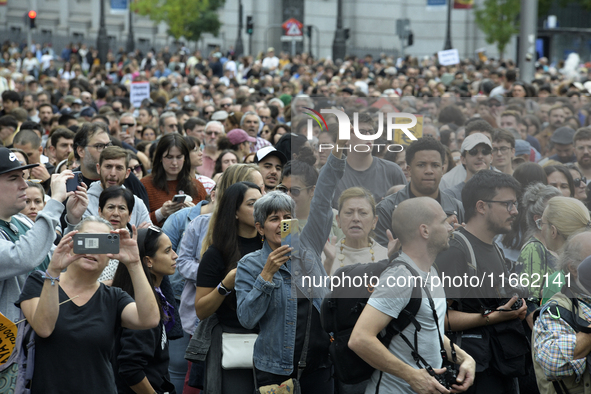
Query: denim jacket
column 273, row 305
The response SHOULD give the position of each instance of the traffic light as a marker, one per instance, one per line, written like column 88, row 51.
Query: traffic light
column 411, row 39
column 249, row 25
column 347, row 33
column 32, row 15
column 309, row 31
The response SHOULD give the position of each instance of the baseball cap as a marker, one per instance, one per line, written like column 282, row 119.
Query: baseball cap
column 563, row 136
column 474, row 139
column 9, row 162
column 88, row 112
column 238, row 136
column 269, row 151
column 219, row 116
column 522, row 148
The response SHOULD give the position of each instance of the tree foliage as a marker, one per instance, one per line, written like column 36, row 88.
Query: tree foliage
column 498, row 20
column 185, row 18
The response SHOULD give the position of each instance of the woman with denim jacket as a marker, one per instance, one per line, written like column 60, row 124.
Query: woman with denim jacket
column 266, row 296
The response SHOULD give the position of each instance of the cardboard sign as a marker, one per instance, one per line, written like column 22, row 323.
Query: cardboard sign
column 417, row 131
column 138, row 92
column 7, row 338
column 449, row 57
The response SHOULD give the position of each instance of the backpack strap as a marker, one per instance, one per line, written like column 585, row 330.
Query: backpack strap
column 472, row 263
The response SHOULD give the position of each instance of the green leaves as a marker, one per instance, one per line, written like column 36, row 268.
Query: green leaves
column 498, row 20
column 185, row 18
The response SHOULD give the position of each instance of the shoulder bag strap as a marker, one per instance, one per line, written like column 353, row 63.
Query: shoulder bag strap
column 470, row 249
column 302, row 362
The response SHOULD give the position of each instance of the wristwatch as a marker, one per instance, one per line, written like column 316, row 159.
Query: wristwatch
column 223, row 290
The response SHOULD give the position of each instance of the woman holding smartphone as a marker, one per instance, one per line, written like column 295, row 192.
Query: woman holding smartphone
column 75, row 317
column 234, row 235
column 171, row 174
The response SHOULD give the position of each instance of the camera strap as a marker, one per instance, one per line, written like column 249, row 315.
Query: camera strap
column 414, row 348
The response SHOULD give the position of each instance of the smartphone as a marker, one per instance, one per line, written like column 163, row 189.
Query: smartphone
column 179, row 198
column 73, row 183
column 290, row 234
column 96, row 243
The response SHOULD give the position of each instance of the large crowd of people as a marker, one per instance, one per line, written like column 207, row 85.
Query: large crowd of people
column 196, row 179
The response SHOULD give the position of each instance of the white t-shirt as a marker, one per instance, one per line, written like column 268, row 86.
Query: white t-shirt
column 271, row 62
column 391, row 300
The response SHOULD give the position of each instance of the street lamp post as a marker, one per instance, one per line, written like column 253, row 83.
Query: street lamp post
column 239, row 46
column 102, row 42
column 448, row 29
column 130, row 47
column 339, row 45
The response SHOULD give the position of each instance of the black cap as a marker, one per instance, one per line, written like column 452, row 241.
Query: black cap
column 563, row 136
column 269, row 151
column 9, row 162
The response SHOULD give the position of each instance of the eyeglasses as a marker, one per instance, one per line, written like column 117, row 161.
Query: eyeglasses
column 172, row 126
column 225, row 105
column 484, row 151
column 579, row 180
column 539, row 223
column 503, row 149
column 210, row 133
column 127, row 124
column 294, row 191
column 100, row 147
column 366, row 131
column 207, row 112
column 136, row 168
column 508, row 204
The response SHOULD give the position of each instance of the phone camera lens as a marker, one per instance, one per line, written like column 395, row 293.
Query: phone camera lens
column 109, row 237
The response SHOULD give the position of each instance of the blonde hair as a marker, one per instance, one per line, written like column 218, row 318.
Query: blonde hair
column 568, row 215
column 357, row 192
column 233, row 174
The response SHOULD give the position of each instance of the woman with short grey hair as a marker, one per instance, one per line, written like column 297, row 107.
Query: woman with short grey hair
column 267, row 279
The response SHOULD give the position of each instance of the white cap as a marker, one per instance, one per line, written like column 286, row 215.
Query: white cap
column 473, row 140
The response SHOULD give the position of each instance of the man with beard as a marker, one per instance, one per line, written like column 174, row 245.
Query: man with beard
column 89, row 142
column 423, row 232
column 582, row 140
column 113, row 169
column 484, row 317
column 425, row 164
column 271, row 162
column 45, row 115
column 556, row 117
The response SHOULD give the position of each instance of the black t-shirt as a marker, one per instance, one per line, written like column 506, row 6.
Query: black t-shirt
column 453, row 262
column 212, row 270
column 75, row 358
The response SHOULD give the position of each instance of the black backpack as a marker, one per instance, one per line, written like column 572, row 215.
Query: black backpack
column 339, row 315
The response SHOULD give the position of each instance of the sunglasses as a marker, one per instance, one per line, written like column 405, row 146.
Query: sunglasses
column 484, row 151
column 579, row 180
column 294, row 191
column 127, row 124
column 136, row 168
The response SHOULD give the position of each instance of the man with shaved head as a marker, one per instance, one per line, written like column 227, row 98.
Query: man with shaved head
column 423, row 230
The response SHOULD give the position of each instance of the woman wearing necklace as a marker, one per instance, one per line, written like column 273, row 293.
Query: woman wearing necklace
column 357, row 219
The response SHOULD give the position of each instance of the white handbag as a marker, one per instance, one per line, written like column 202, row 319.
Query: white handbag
column 237, row 350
